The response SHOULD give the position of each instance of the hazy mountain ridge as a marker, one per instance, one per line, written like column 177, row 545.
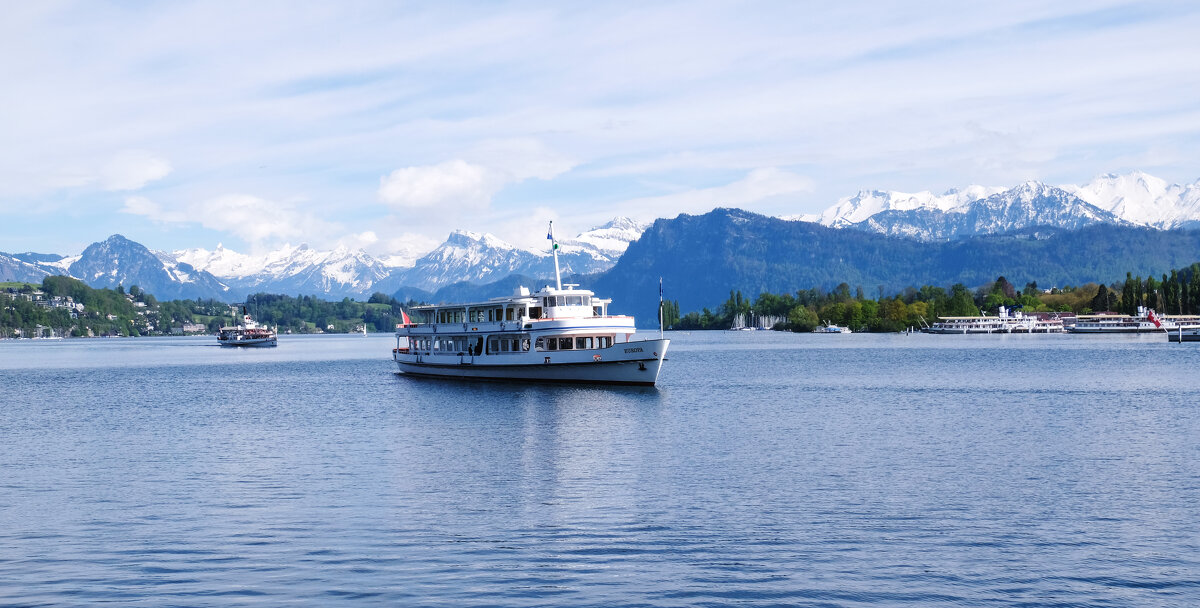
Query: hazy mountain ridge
column 483, row 258
column 228, row 275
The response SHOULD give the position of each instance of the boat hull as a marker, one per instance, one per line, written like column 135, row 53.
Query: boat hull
column 628, row 363
column 1117, row 330
column 1186, row 335
column 251, row 342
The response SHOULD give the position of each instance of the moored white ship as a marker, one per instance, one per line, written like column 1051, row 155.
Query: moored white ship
column 558, row 334
column 1006, row 322
column 1144, row 321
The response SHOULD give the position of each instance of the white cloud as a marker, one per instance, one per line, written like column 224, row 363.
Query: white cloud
column 463, row 185
column 131, row 170
column 140, row 205
column 521, row 159
column 361, row 240
column 471, row 110
column 455, row 183
column 760, row 188
column 251, row 218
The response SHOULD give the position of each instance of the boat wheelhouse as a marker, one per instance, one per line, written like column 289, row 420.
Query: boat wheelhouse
column 557, row 334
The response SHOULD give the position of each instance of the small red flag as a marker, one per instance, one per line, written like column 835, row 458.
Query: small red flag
column 404, row 317
column 1153, row 319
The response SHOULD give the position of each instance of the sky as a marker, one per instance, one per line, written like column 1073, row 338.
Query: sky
column 385, row 125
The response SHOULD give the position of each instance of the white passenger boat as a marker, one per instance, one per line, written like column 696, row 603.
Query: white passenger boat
column 1006, row 322
column 558, row 334
column 1144, row 321
column 246, row 333
column 829, row 328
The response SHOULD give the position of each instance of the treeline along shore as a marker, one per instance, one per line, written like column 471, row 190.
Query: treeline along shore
column 1176, row 293
column 65, row 307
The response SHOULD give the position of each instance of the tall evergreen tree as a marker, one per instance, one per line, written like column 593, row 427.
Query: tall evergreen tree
column 1128, row 295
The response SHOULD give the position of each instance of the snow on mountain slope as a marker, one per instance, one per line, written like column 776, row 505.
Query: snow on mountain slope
column 1134, row 198
column 855, row 209
column 464, row 256
column 220, row 262
column 1029, row 205
column 482, row 258
column 120, row 261
column 612, row 238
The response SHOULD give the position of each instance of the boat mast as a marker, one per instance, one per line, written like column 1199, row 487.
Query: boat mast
column 554, row 248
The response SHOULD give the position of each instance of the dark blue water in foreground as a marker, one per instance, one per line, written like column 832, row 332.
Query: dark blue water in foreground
column 766, row 469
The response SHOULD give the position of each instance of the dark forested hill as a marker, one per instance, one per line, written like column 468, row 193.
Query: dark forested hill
column 702, row 257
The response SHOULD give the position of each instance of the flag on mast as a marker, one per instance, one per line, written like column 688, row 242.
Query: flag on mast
column 660, row 307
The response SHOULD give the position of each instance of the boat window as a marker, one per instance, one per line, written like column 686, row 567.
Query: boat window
column 565, row 343
column 552, row 344
column 540, row 344
column 493, row 345
column 508, row 314
column 574, row 300
column 583, row 342
column 535, row 312
column 605, row 341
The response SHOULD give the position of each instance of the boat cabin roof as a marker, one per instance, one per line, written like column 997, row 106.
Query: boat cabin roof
column 520, row 297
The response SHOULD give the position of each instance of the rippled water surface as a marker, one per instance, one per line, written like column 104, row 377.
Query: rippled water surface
column 766, row 469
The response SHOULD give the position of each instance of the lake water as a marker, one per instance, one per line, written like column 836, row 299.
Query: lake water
column 766, row 469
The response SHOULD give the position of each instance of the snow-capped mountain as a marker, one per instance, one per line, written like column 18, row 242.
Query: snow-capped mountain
column 1135, row 198
column 14, row 268
column 341, row 272
column 612, row 238
column 464, row 256
column 1026, row 206
column 482, row 258
column 867, row 203
column 1143, row 199
column 120, row 261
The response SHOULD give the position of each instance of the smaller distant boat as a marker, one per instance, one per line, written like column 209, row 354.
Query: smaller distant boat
column 830, row 328
column 246, row 333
